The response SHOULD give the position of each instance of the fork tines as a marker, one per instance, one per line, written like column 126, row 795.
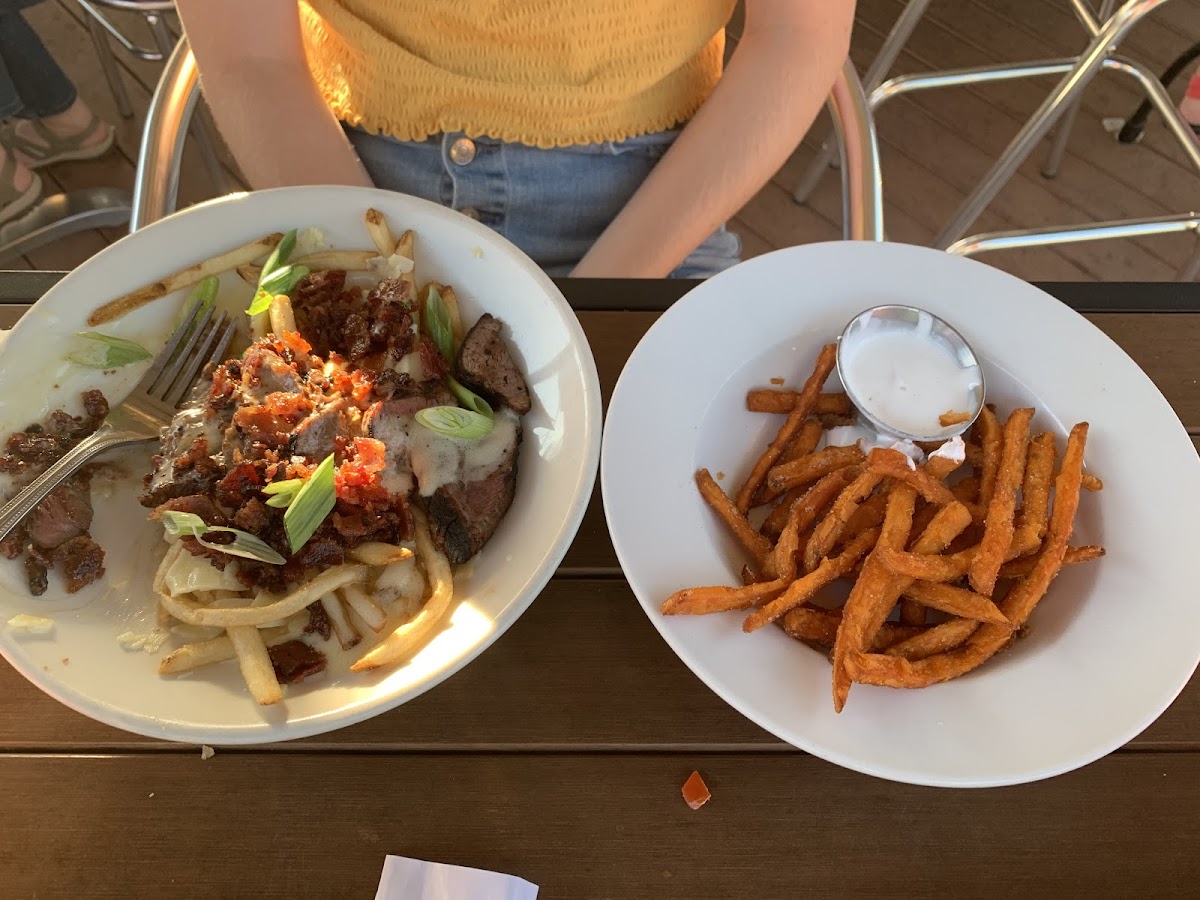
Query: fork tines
column 201, row 338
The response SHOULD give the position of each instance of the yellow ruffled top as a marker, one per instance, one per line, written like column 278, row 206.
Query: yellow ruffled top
column 547, row 73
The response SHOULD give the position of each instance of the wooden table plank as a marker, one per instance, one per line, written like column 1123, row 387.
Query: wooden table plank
column 580, row 826
column 583, row 668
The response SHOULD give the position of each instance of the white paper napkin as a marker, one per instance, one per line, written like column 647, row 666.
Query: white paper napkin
column 416, row 879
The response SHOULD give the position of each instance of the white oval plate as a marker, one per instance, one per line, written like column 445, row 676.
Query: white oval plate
column 1110, row 646
column 81, row 664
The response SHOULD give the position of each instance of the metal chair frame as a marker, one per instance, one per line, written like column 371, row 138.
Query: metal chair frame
column 156, row 182
column 1107, row 28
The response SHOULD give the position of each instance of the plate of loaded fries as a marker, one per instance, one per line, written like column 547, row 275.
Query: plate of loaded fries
column 907, row 513
column 366, row 483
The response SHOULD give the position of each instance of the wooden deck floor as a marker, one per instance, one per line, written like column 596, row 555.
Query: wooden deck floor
column 934, row 146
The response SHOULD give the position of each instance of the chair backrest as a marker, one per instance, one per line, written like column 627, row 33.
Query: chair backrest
column 156, row 181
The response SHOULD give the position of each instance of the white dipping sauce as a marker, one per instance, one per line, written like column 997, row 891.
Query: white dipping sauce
column 907, row 380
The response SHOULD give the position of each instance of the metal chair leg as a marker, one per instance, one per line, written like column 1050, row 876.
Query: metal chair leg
column 862, row 184
column 1192, row 270
column 199, row 129
column 156, row 179
column 1058, row 149
column 1110, row 35
column 60, row 215
column 884, row 60
column 108, row 63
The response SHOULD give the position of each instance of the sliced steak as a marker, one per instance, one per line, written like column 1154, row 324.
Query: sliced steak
column 463, row 516
column 486, row 367
column 36, row 573
column 295, row 660
column 198, row 505
column 65, row 514
column 316, row 437
column 82, row 562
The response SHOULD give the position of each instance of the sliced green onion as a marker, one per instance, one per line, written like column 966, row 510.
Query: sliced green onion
column 454, row 422
column 115, row 352
column 311, row 505
column 437, row 324
column 204, row 297
column 283, row 281
column 470, row 399
column 282, row 493
column 244, row 544
column 269, row 276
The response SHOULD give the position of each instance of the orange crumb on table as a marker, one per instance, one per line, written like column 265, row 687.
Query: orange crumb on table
column 776, row 381
column 720, row 476
column 695, row 791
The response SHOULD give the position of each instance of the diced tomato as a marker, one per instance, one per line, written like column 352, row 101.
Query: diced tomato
column 695, row 791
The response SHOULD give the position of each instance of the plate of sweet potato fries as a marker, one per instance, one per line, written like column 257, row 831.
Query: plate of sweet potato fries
column 993, row 608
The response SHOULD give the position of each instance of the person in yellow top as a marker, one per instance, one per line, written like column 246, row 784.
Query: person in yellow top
column 604, row 139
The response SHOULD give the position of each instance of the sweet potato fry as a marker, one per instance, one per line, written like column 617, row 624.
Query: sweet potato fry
column 808, row 469
column 815, row 501
column 956, row 601
column 998, row 525
column 868, row 515
column 804, row 588
column 926, row 566
column 937, row 639
column 989, row 639
column 953, row 417
column 991, row 439
column 804, row 443
column 877, row 590
column 1035, row 489
column 1019, row 568
column 815, row 625
column 967, row 490
column 895, row 464
column 756, row 545
column 781, row 563
column 826, row 360
column 700, row 601
column 776, row 400
column 830, row 528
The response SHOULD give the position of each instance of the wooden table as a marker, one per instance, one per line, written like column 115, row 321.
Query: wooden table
column 558, row 755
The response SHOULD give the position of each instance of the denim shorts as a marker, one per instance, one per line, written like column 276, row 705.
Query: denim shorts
column 553, row 204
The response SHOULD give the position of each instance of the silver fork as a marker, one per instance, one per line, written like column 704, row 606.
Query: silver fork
column 198, row 340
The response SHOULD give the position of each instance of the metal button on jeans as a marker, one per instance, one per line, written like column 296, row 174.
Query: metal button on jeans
column 462, row 151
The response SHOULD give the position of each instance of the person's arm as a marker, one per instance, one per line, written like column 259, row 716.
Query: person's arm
column 772, row 90
column 257, row 84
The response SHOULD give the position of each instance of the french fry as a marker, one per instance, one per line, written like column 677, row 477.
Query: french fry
column 804, row 443
column 953, row 417
column 406, row 245
column 159, row 584
column 402, row 642
column 255, row 663
column 450, row 301
column 998, row 525
column 771, row 400
column 894, row 464
column 329, row 580
column 826, row 360
column 184, row 278
column 989, row 639
column 282, row 318
column 357, row 601
column 343, row 628
column 754, row 543
column 956, row 601
column 803, row 589
column 376, row 553
column 214, row 650
column 381, row 234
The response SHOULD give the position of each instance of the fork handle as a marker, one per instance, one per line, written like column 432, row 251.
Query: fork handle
column 103, row 438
